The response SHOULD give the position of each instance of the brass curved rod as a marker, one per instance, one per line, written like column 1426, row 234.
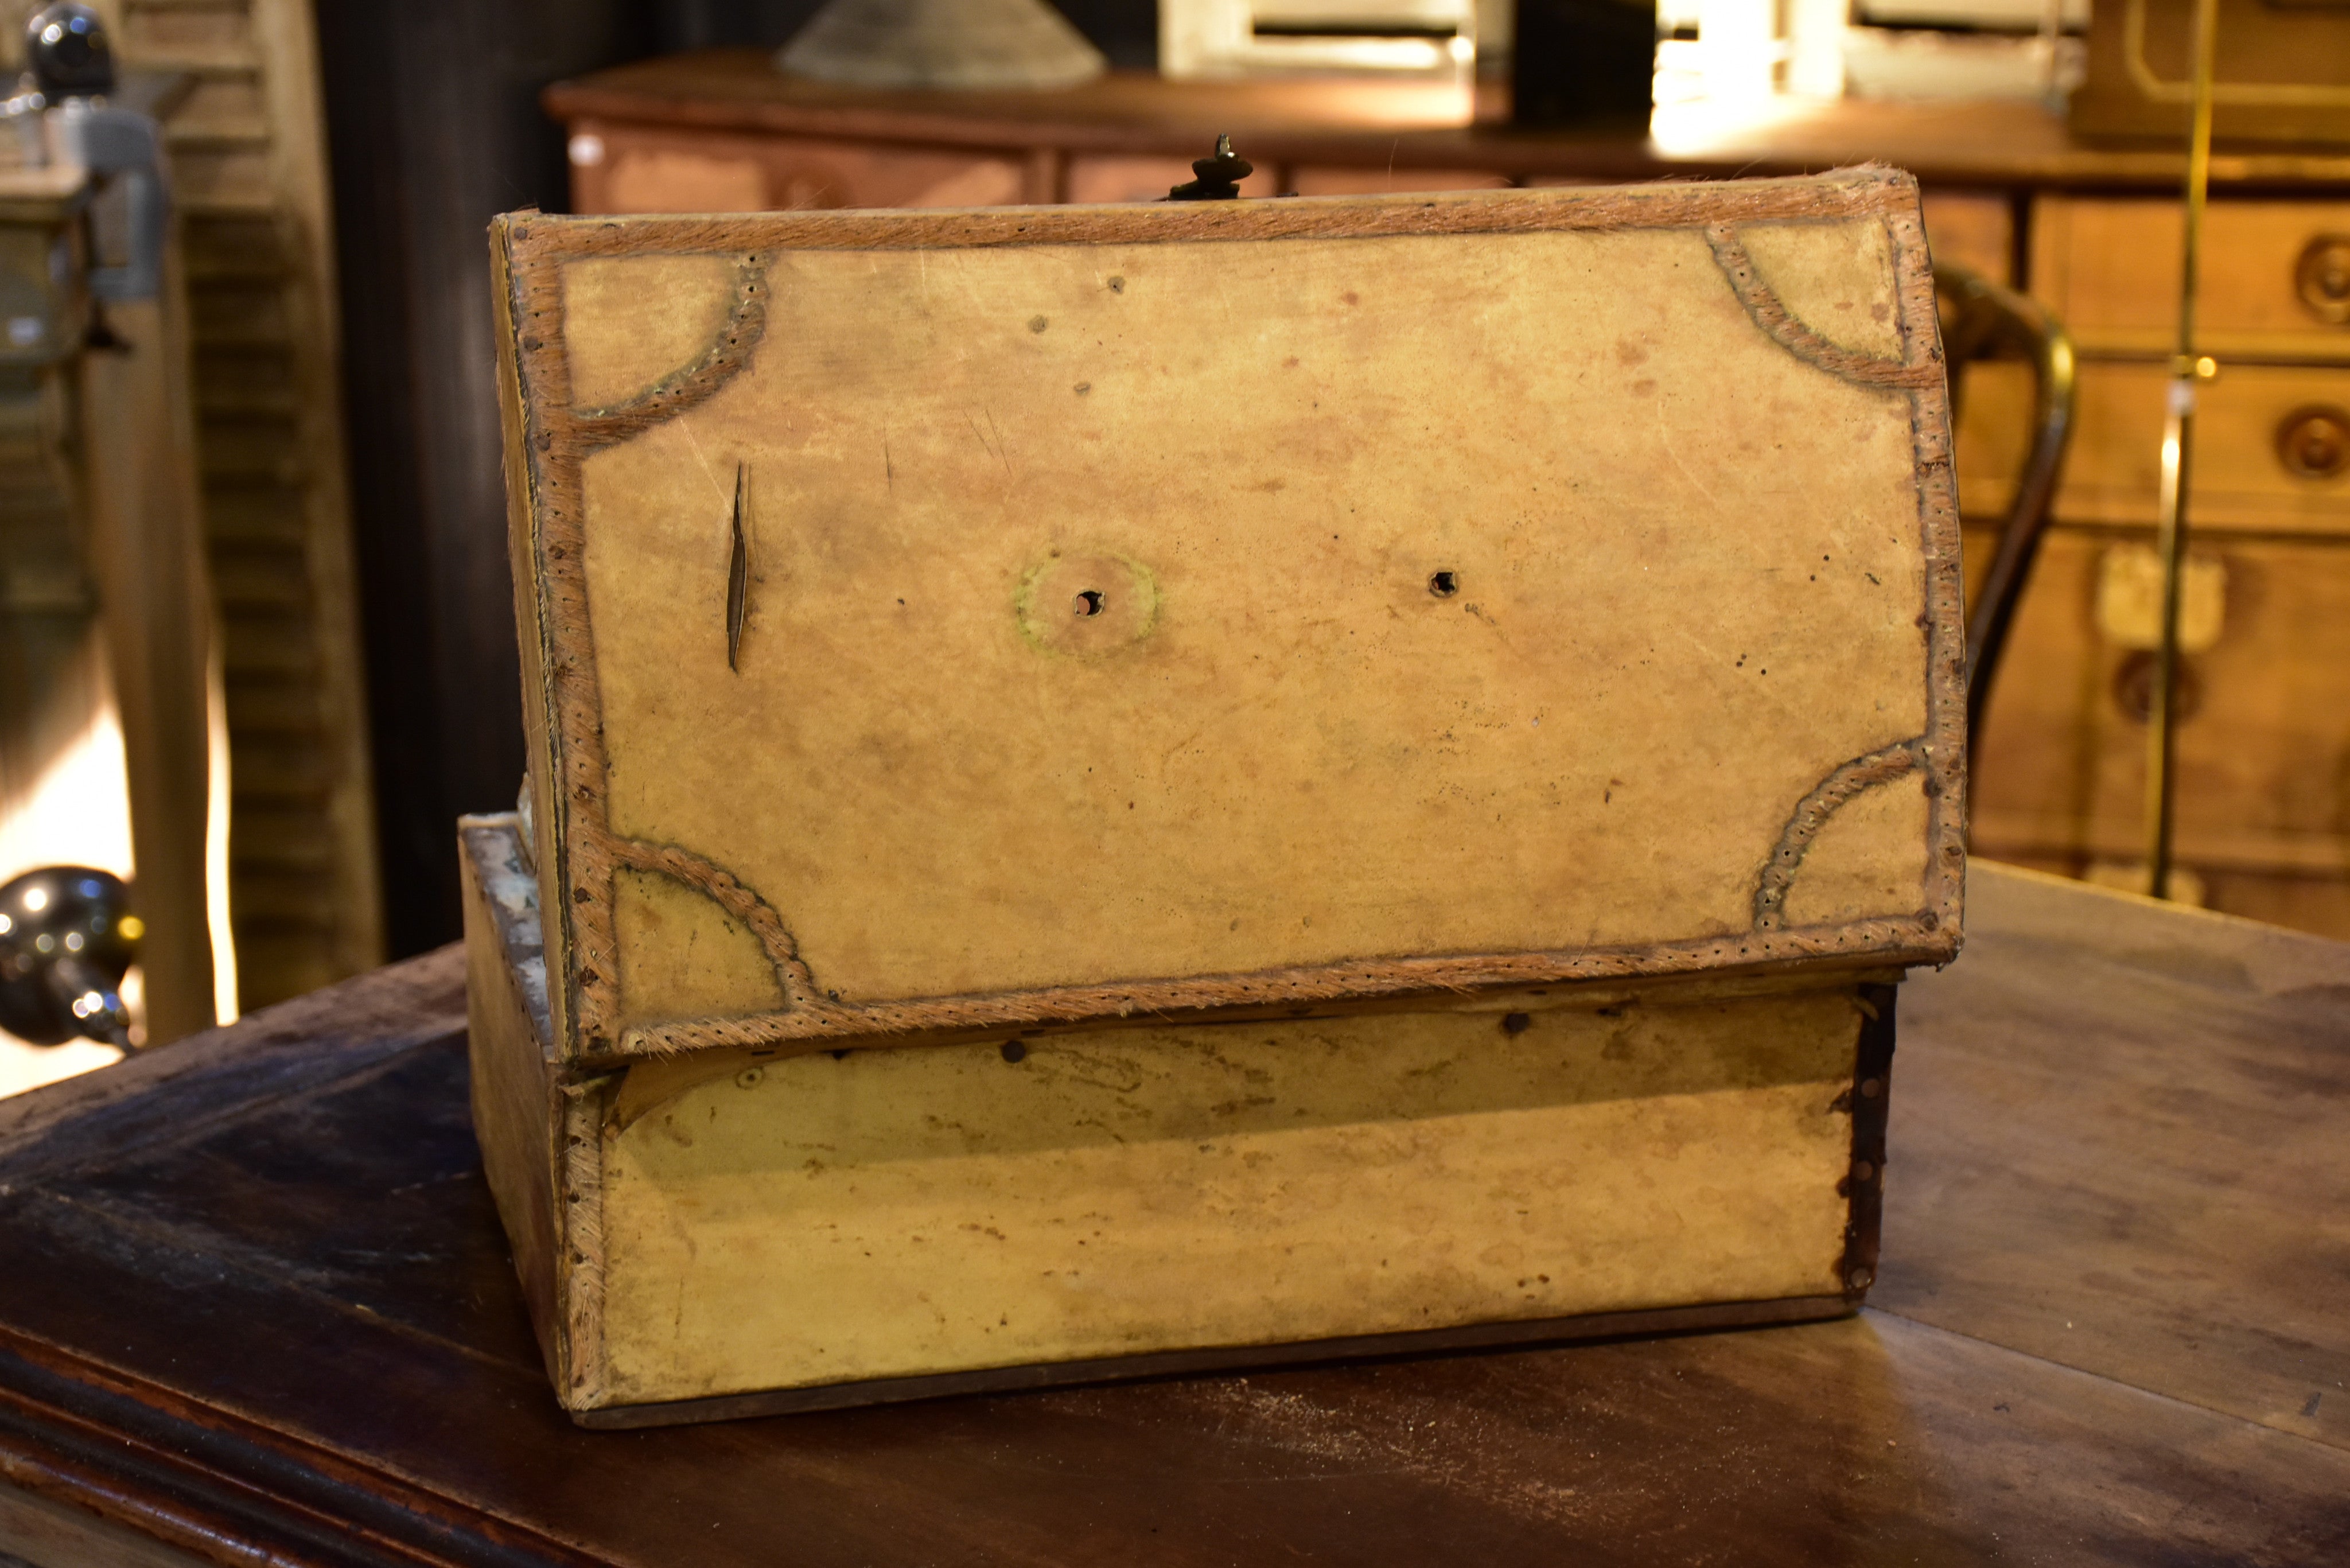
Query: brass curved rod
column 1989, row 320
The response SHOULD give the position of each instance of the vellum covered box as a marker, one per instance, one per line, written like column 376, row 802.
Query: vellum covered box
column 1116, row 789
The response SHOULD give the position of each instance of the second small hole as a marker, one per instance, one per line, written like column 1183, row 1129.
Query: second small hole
column 1089, row 602
column 1445, row 585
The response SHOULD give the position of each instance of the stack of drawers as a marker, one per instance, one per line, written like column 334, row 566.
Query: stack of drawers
column 2264, row 753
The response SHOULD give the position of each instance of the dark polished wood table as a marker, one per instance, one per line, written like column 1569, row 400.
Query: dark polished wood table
column 256, row 1308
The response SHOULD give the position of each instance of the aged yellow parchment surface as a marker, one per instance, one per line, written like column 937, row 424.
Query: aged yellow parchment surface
column 820, row 1219
column 1095, row 625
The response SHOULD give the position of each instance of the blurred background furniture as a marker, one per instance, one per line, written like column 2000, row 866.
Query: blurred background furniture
column 110, row 746
column 1207, row 39
column 250, row 172
column 2277, row 70
column 2088, row 232
column 977, row 45
column 264, row 489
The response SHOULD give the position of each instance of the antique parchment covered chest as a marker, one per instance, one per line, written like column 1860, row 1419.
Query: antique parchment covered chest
column 1128, row 787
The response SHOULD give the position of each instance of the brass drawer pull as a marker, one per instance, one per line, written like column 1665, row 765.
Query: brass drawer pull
column 2321, row 277
column 2313, row 442
column 2133, row 687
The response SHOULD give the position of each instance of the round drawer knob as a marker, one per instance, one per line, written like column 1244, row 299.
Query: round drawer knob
column 2314, row 442
column 2133, row 681
column 2321, row 277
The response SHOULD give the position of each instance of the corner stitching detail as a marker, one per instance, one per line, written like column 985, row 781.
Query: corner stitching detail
column 1769, row 313
column 1812, row 813
column 728, row 352
column 728, row 891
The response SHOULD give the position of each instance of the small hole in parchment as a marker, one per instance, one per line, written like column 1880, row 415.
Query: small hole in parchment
column 1445, row 585
column 1088, row 602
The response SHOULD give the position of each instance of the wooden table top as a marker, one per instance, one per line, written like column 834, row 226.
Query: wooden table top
column 1412, row 126
column 254, row 1306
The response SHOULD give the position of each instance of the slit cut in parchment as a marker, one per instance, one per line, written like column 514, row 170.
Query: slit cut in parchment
column 738, row 571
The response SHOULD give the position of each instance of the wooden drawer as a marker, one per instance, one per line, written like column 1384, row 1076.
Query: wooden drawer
column 2265, row 750
column 2273, row 282
column 1974, row 228
column 2271, row 446
column 633, row 168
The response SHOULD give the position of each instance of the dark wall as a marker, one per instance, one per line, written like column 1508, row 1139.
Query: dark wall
column 704, row 24
column 434, row 127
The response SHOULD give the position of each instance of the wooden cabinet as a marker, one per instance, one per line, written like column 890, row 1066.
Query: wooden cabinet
column 627, row 169
column 2270, row 455
column 2264, row 796
column 2264, row 749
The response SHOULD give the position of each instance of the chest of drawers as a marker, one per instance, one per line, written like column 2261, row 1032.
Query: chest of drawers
column 2265, row 751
